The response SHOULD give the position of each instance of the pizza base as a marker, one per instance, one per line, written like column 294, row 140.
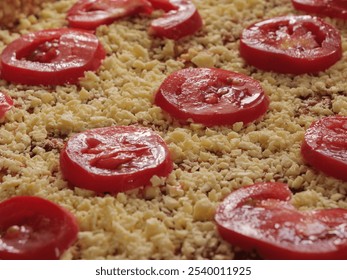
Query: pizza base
column 174, row 217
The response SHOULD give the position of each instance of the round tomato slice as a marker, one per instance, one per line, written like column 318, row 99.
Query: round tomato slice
column 51, row 57
column 6, row 104
column 291, row 44
column 325, row 146
column 114, row 159
column 34, row 228
column 212, row 96
column 261, row 217
column 180, row 21
column 331, row 8
column 89, row 14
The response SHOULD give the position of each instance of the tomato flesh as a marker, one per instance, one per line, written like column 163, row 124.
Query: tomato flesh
column 114, row 159
column 6, row 104
column 89, row 14
column 34, row 228
column 182, row 20
column 51, row 57
column 291, row 44
column 261, row 217
column 164, row 5
column 212, row 96
column 331, row 8
column 325, row 146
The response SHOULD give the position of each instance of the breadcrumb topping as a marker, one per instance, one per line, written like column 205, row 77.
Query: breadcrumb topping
column 173, row 217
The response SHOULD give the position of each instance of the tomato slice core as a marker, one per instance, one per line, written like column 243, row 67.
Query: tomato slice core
column 212, row 96
column 261, row 217
column 331, row 8
column 291, row 44
column 115, row 159
column 44, row 53
column 34, row 228
column 325, row 146
column 6, row 104
column 51, row 57
column 89, row 14
column 181, row 20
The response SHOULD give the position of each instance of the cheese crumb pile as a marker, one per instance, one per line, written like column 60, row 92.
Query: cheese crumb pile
column 172, row 218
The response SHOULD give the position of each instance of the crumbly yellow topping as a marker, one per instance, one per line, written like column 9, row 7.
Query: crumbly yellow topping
column 172, row 218
column 12, row 10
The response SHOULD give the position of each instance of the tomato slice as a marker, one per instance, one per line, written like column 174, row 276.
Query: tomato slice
column 261, row 217
column 34, row 228
column 51, row 57
column 325, row 146
column 6, row 104
column 212, row 96
column 164, row 5
column 291, row 44
column 89, row 14
column 183, row 19
column 331, row 8
column 114, row 159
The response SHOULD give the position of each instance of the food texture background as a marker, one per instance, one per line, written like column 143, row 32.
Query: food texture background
column 173, row 218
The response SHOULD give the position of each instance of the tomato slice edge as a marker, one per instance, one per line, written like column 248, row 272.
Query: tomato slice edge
column 211, row 114
column 65, row 234
column 283, row 61
column 274, row 249
column 318, row 157
column 36, row 73
column 112, row 181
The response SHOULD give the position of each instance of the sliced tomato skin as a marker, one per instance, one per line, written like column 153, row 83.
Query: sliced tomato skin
column 192, row 93
column 89, row 14
column 177, row 23
column 6, row 103
column 261, row 217
column 138, row 155
column 325, row 146
column 78, row 51
column 257, row 49
column 53, row 229
column 331, row 8
column 165, row 5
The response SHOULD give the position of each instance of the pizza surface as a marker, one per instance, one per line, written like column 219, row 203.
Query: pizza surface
column 172, row 217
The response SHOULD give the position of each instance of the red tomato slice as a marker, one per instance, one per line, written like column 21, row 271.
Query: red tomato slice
column 89, row 14
column 34, row 228
column 212, row 96
column 291, row 44
column 331, row 8
column 6, row 104
column 51, row 57
column 182, row 21
column 261, row 217
column 325, row 146
column 114, row 159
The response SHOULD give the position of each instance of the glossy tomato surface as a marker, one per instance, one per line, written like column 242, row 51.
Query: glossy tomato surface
column 182, row 20
column 6, row 103
column 165, row 5
column 261, row 217
column 291, row 44
column 325, row 146
column 114, row 159
column 89, row 14
column 34, row 228
column 51, row 57
column 212, row 96
column 331, row 8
